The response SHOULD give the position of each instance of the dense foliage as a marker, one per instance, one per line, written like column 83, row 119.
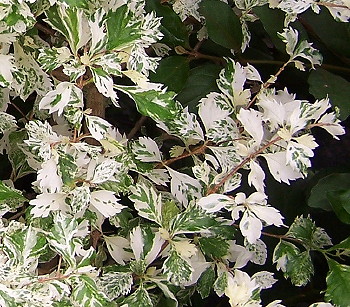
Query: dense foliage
column 156, row 153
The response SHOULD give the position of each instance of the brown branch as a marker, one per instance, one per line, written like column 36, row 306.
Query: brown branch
column 45, row 29
column 216, row 187
column 267, row 84
column 197, row 151
column 328, row 4
column 137, row 127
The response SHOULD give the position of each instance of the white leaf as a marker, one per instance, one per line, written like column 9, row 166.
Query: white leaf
column 184, row 187
column 331, row 125
column 45, row 203
column 97, row 126
column 184, row 248
column 105, row 202
column 6, row 69
column 212, row 109
column 279, row 169
column 269, row 215
column 105, row 170
column 118, row 248
column 60, row 97
column 48, row 179
column 104, row 83
column 250, row 227
column 256, row 176
column 264, row 279
column 146, row 150
column 258, row 251
column 214, row 202
column 252, row 123
column 136, row 242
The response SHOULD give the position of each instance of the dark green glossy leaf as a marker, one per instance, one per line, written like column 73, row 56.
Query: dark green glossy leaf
column 345, row 244
column 173, row 72
column 332, row 33
column 224, row 26
column 174, row 30
column 324, row 83
column 340, row 201
column 333, row 182
column 201, row 81
column 338, row 283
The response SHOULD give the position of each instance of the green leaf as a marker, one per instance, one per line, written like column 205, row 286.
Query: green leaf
column 338, row 283
column 333, row 182
column 224, row 26
column 147, row 201
column 17, row 157
column 115, row 284
column 214, row 247
column 296, row 265
column 192, row 220
column 340, row 201
column 305, row 230
column 7, row 193
column 173, row 72
column 67, row 167
column 201, row 81
column 121, row 32
column 83, row 4
column 86, row 294
column 174, row 30
column 273, row 22
column 169, row 211
column 177, row 269
column 332, row 33
column 140, row 298
column 324, row 83
column 160, row 106
column 345, row 245
column 206, row 282
column 70, row 21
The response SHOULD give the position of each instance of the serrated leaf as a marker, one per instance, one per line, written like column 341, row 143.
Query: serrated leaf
column 7, row 122
column 158, row 105
column 338, row 283
column 324, row 83
column 140, row 298
column 173, row 72
column 121, row 32
column 169, row 211
column 214, row 247
column 85, row 293
column 97, row 126
column 104, row 171
column 71, row 22
column 7, row 193
column 305, row 230
column 184, row 187
column 206, row 282
column 332, row 182
column 115, row 284
column 192, row 220
column 296, row 265
column 67, row 168
column 146, row 150
column 147, row 202
column 177, row 269
column 224, row 26
column 103, row 82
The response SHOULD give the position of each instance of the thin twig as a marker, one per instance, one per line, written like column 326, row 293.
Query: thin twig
column 267, row 84
column 216, row 187
column 197, row 151
column 137, row 127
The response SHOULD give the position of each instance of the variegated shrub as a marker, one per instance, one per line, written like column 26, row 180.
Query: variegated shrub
column 153, row 217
